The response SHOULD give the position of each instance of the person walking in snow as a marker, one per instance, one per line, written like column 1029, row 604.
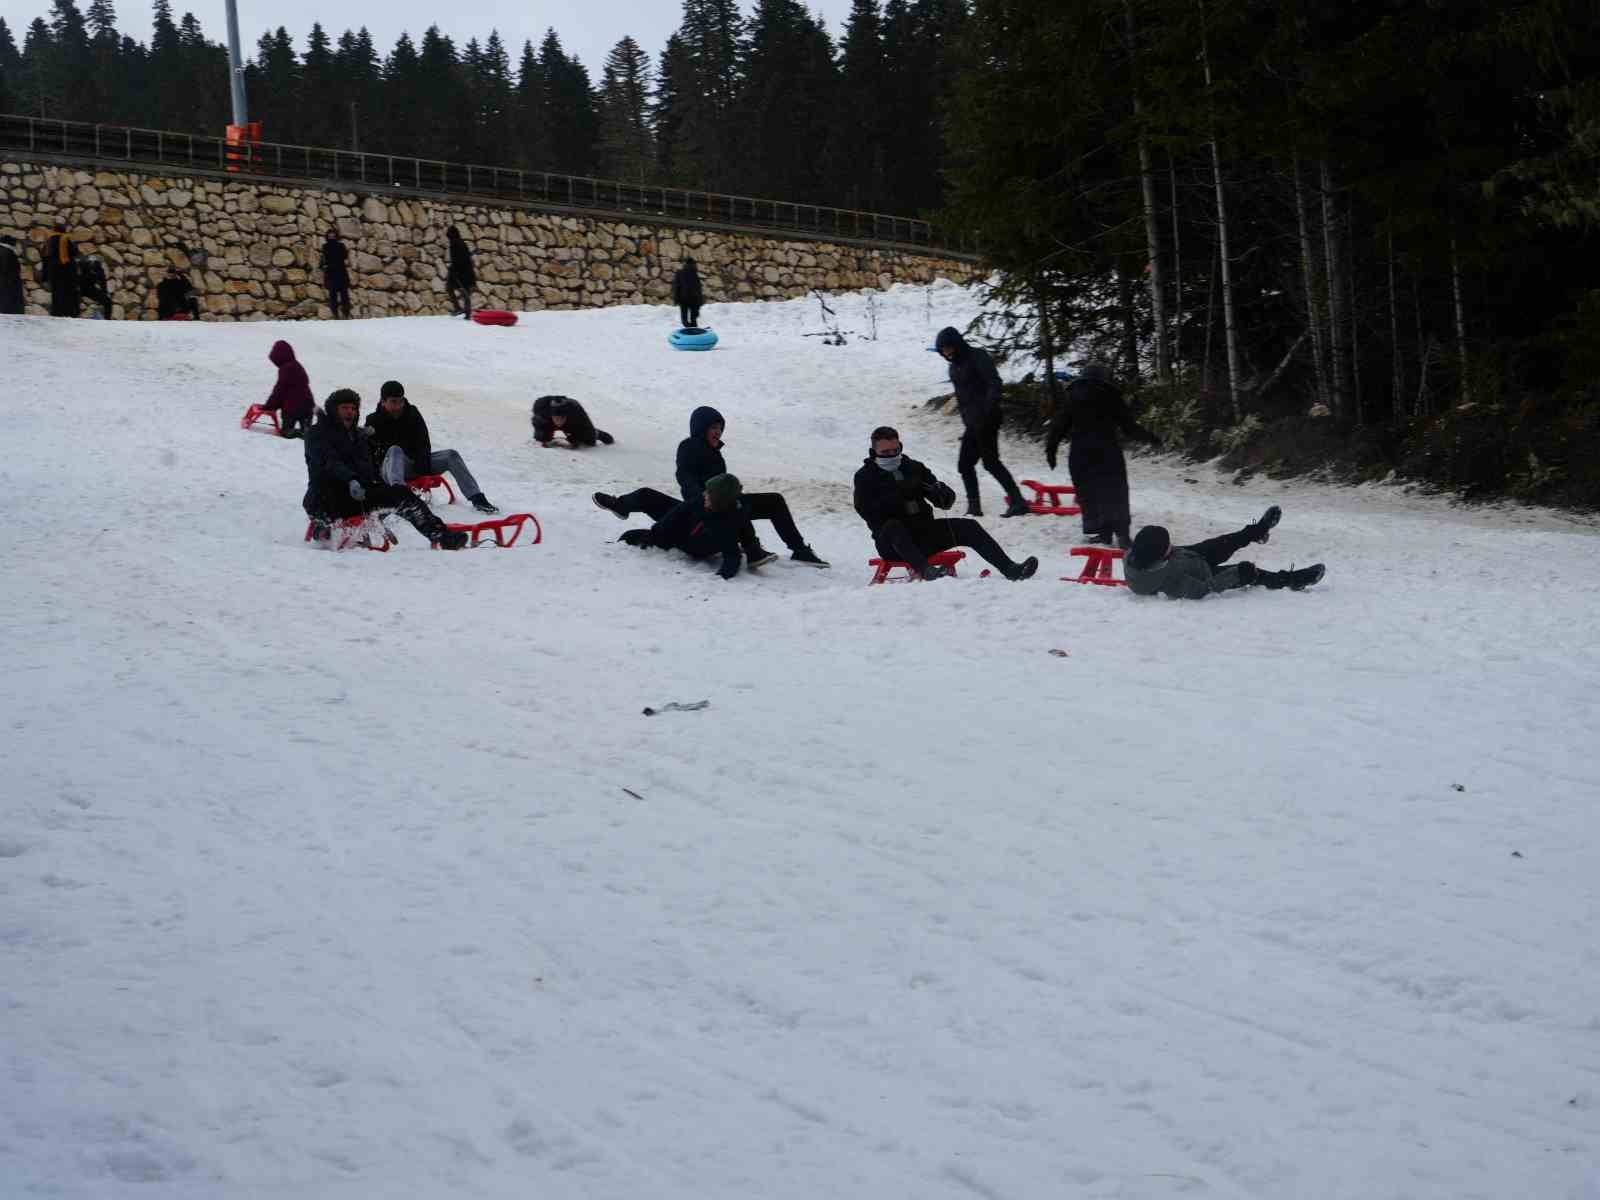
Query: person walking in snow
column 688, row 293
column 895, row 495
column 94, row 285
column 291, row 395
column 12, row 298
column 977, row 387
column 1092, row 416
column 335, row 263
column 564, row 415
column 175, row 296
column 403, row 448
column 711, row 525
column 699, row 459
column 343, row 480
column 60, row 265
column 461, row 277
column 1154, row 566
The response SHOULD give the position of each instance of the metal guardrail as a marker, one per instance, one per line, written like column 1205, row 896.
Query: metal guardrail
column 355, row 170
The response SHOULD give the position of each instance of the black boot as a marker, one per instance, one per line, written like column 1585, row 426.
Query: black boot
column 1263, row 527
column 430, row 526
column 1016, row 506
column 974, row 509
column 1024, row 570
column 481, row 503
column 604, row 438
column 609, row 502
column 1296, row 580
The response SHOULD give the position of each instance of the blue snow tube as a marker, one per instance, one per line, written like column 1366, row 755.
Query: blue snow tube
column 689, row 338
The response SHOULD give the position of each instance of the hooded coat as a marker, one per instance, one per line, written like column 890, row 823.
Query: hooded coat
column 687, row 290
column 292, row 392
column 334, row 456
column 461, row 268
column 701, row 533
column 974, row 378
column 1094, row 414
column 698, row 459
column 1183, row 575
column 579, row 428
column 12, row 297
column 405, row 429
column 335, row 261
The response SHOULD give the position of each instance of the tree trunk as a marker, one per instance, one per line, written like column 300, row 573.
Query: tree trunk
column 1047, row 344
column 1461, row 321
column 1397, row 383
column 1355, row 333
column 1211, row 315
column 1177, row 271
column 1229, row 332
column 1334, row 266
column 1152, row 236
column 1313, row 290
column 1130, row 324
column 1283, row 364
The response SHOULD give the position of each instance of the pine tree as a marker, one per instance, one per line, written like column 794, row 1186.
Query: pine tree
column 705, row 151
column 274, row 82
column 625, row 143
column 674, row 84
column 38, row 74
column 861, row 136
column 786, row 102
column 530, row 127
column 10, row 71
column 442, row 97
column 316, row 113
column 570, row 106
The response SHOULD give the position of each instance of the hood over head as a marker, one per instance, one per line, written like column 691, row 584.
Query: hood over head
column 280, row 353
column 702, row 419
column 949, row 336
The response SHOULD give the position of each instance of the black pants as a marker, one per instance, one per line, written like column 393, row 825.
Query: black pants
column 101, row 297
column 1100, row 473
column 335, row 501
column 911, row 542
column 460, row 293
column 983, row 445
column 1219, row 550
column 762, row 506
column 65, row 300
column 338, row 295
column 295, row 426
column 689, row 314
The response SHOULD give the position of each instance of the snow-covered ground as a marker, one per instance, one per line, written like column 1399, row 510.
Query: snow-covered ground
column 354, row 875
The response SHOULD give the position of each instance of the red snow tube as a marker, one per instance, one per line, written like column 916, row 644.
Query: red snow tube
column 494, row 316
column 181, row 316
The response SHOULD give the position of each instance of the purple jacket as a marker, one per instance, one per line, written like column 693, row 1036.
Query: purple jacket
column 292, row 392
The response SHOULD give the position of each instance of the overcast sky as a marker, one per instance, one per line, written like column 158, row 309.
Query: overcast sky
column 588, row 28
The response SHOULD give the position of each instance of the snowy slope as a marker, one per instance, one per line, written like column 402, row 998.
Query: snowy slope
column 346, row 875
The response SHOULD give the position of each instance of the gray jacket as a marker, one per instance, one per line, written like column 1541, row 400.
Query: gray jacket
column 1184, row 575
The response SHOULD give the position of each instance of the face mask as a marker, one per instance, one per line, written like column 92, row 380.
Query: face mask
column 889, row 464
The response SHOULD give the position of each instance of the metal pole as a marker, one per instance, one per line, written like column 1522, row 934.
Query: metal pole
column 241, row 111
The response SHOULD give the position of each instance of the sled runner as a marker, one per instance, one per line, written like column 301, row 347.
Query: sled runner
column 352, row 531
column 255, row 412
column 1097, row 566
column 494, row 316
column 505, row 530
column 423, row 485
column 1051, row 507
column 944, row 558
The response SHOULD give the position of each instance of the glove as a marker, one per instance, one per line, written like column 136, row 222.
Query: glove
column 637, row 538
column 943, row 495
column 357, row 492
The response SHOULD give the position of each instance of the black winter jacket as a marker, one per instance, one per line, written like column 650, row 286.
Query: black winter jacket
column 336, row 455
column 975, row 379
column 579, row 428
column 461, row 263
column 687, row 288
column 336, row 262
column 11, row 294
column 698, row 459
column 1094, row 409
column 407, row 430
column 693, row 528
column 883, row 496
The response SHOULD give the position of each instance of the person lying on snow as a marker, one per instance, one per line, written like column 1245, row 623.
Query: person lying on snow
column 1092, row 416
column 711, row 524
column 292, row 393
column 1155, row 566
column 403, row 449
column 699, row 460
column 893, row 494
column 343, row 480
column 564, row 415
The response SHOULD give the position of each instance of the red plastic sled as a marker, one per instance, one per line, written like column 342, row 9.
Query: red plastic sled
column 423, row 485
column 255, row 412
column 1097, row 567
column 506, row 530
column 945, row 558
column 494, row 316
column 1047, row 498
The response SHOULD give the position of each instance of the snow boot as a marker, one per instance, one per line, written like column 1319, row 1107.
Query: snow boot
column 609, row 503
column 1263, row 527
column 1295, row 580
column 604, row 438
column 1023, row 570
column 452, row 539
column 934, row 571
column 805, row 554
column 759, row 556
column 481, row 503
column 1016, row 507
column 974, row 509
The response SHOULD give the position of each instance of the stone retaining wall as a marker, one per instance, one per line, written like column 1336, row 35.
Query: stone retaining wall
column 251, row 248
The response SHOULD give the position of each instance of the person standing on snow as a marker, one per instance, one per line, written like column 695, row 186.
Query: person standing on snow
column 564, row 415
column 291, row 395
column 688, row 293
column 1155, row 567
column 342, row 481
column 977, row 386
column 60, row 265
column 711, row 524
column 1092, row 415
column 335, row 263
column 461, row 277
column 175, row 296
column 404, row 449
column 893, row 493
column 93, row 283
column 12, row 298
column 700, row 459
